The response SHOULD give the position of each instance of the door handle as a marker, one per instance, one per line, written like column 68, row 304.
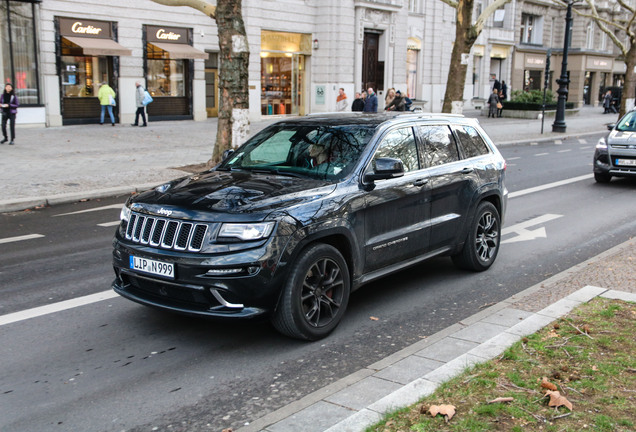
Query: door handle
column 467, row 170
column 420, row 182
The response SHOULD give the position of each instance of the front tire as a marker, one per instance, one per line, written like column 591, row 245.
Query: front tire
column 315, row 296
column 602, row 177
column 482, row 243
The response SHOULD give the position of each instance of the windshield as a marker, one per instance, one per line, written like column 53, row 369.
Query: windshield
column 627, row 123
column 317, row 151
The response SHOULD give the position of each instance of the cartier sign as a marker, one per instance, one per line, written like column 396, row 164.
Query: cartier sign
column 167, row 34
column 85, row 28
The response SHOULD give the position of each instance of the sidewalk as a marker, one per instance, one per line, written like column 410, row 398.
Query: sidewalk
column 71, row 163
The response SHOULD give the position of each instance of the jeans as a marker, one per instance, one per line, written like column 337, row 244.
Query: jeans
column 11, row 119
column 140, row 111
column 110, row 113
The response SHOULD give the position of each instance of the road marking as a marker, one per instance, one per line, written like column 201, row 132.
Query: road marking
column 542, row 154
column 558, row 142
column 112, row 206
column 549, row 186
column 56, row 307
column 513, row 158
column 582, row 141
column 20, row 238
column 564, row 151
column 109, row 224
column 522, row 231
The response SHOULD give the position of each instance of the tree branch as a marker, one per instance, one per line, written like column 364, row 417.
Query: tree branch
column 452, row 3
column 490, row 9
column 200, row 5
column 602, row 24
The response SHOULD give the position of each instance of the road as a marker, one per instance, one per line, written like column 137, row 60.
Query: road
column 113, row 365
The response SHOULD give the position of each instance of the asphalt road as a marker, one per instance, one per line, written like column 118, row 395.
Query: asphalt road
column 113, row 365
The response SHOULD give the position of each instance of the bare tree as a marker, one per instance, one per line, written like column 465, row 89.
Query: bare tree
column 233, row 125
column 621, row 17
column 466, row 33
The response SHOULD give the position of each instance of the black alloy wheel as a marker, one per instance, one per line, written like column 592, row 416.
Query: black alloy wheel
column 315, row 296
column 482, row 244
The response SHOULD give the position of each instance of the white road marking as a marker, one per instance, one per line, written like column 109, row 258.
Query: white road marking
column 582, row 141
column 564, row 151
column 542, row 154
column 522, row 231
column 513, row 158
column 109, row 224
column 56, row 307
column 549, row 186
column 112, row 206
column 558, row 142
column 20, row 238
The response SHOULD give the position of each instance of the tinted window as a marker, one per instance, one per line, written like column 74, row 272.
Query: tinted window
column 400, row 144
column 471, row 141
column 439, row 145
column 627, row 123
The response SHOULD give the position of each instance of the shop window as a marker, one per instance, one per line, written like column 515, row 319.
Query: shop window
column 19, row 59
column 82, row 75
column 165, row 77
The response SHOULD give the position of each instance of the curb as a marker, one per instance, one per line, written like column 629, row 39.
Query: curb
column 363, row 397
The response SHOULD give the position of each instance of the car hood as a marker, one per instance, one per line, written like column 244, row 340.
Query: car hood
column 620, row 137
column 210, row 195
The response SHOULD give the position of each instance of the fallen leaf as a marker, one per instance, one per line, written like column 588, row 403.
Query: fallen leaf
column 374, row 318
column 547, row 384
column 446, row 410
column 557, row 400
column 501, row 400
column 553, row 334
column 594, row 368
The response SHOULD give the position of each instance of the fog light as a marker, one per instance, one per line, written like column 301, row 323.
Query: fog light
column 224, row 272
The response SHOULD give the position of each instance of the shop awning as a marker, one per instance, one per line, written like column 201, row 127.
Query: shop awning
column 99, row 47
column 181, row 51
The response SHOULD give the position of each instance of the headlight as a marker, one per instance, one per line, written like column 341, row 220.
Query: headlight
column 247, row 232
column 163, row 188
column 601, row 144
column 125, row 213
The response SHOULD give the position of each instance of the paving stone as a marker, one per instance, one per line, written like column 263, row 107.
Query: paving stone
column 407, row 395
column 315, row 418
column 507, row 317
column 619, row 295
column 447, row 349
column 357, row 422
column 495, row 346
column 530, row 325
column 586, row 293
column 363, row 393
column 480, row 332
column 408, row 369
column 453, row 368
column 559, row 308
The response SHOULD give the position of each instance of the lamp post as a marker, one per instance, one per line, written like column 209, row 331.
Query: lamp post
column 563, row 81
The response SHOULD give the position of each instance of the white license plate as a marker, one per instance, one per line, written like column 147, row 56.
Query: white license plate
column 151, row 266
column 626, row 162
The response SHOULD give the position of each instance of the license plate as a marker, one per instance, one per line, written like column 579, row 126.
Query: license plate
column 151, row 266
column 625, row 162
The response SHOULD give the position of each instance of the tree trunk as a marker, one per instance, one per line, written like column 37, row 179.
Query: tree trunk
column 465, row 36
column 233, row 124
column 627, row 101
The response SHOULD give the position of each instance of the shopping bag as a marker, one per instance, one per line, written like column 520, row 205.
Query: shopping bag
column 112, row 101
column 147, row 98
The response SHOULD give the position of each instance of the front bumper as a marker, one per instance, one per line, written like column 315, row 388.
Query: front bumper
column 608, row 163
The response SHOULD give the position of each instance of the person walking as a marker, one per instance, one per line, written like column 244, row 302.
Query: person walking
column 500, row 103
column 341, row 101
column 106, row 96
column 371, row 103
column 390, row 95
column 358, row 103
column 504, row 91
column 9, row 102
column 397, row 104
column 141, row 109
column 607, row 102
column 493, row 100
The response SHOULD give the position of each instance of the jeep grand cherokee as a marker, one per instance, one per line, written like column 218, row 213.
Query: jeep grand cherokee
column 310, row 209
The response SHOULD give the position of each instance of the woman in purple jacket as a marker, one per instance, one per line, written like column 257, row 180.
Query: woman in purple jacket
column 9, row 103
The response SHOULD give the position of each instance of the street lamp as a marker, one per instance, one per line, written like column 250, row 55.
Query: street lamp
column 563, row 81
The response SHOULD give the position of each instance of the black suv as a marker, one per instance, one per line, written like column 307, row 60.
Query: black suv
column 615, row 154
column 310, row 209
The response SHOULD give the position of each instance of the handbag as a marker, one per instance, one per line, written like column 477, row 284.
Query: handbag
column 112, row 101
column 147, row 98
column 499, row 105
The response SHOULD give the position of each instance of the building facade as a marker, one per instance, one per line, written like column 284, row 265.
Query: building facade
column 59, row 52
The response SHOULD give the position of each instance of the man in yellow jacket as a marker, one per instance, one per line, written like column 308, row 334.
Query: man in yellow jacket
column 106, row 96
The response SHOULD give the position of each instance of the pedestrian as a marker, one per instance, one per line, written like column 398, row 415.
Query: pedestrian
column 493, row 100
column 504, row 90
column 358, row 103
column 496, row 85
column 607, row 102
column 500, row 103
column 9, row 102
column 341, row 101
column 371, row 103
column 106, row 96
column 141, row 109
column 390, row 95
column 397, row 104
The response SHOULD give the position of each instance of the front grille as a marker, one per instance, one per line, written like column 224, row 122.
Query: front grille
column 166, row 233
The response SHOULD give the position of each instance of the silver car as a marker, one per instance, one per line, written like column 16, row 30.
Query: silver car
column 615, row 154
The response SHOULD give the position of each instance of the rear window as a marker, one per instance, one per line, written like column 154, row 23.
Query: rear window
column 471, row 142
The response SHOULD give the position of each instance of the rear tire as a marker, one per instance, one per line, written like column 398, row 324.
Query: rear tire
column 315, row 296
column 602, row 177
column 482, row 242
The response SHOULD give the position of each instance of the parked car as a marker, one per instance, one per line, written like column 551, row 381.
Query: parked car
column 615, row 154
column 309, row 210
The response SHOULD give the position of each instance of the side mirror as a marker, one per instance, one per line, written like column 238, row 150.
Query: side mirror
column 227, row 153
column 385, row 168
column 611, row 126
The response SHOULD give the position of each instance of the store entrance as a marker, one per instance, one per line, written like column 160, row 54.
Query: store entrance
column 282, row 78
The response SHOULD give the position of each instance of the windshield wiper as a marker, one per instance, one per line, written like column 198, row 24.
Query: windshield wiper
column 262, row 170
